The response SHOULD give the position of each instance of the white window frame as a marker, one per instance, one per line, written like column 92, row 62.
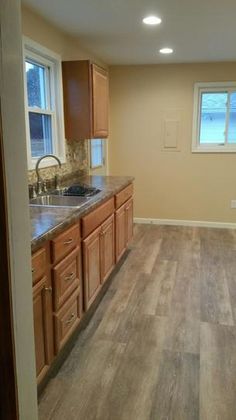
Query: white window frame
column 199, row 88
column 37, row 53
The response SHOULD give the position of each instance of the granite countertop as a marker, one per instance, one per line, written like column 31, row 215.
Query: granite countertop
column 48, row 221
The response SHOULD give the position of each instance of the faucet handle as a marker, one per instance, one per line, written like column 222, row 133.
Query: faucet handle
column 57, row 182
column 32, row 191
column 40, row 187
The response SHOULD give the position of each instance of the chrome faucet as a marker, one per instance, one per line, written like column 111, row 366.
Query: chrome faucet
column 40, row 183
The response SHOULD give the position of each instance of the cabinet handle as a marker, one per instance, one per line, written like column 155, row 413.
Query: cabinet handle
column 69, row 277
column 68, row 242
column 70, row 319
column 48, row 289
column 33, row 270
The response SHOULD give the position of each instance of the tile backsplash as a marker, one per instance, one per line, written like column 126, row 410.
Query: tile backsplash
column 76, row 160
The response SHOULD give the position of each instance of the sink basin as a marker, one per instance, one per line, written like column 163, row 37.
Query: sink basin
column 59, row 201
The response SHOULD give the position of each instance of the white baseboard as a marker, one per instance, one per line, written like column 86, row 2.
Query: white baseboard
column 174, row 222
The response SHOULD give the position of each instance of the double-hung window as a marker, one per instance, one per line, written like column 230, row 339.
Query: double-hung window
column 43, row 103
column 214, row 117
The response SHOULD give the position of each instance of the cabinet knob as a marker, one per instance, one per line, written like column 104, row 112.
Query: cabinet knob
column 48, row 289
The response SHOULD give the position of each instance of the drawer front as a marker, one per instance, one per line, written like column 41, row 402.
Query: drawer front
column 124, row 195
column 96, row 217
column 64, row 243
column 39, row 264
column 66, row 320
column 66, row 278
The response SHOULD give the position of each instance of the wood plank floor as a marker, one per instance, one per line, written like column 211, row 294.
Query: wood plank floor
column 162, row 343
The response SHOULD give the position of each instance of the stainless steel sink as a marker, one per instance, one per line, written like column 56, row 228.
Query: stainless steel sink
column 59, row 201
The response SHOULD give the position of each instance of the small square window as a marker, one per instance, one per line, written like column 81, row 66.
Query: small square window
column 214, row 119
column 96, row 153
column 43, row 98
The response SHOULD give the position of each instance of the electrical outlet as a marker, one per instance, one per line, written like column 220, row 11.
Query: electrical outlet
column 233, row 204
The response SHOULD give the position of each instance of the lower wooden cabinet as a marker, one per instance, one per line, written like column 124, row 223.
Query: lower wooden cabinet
column 65, row 278
column 107, row 248
column 67, row 319
column 43, row 329
column 91, row 267
column 60, row 294
column 120, row 232
column 129, row 221
column 98, row 259
column 124, row 227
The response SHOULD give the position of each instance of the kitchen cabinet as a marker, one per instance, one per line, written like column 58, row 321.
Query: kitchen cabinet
column 98, row 258
column 66, row 281
column 42, row 310
column 107, row 245
column 92, row 270
column 85, row 89
column 67, row 319
column 124, row 227
column 120, row 232
column 66, row 284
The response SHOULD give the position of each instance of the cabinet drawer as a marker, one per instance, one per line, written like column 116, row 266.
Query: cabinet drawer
column 96, row 217
column 66, row 278
column 66, row 320
column 39, row 263
column 64, row 243
column 124, row 195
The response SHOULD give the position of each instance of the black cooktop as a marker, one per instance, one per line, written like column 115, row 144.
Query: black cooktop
column 80, row 191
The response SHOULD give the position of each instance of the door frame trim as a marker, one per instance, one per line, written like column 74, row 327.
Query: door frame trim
column 8, row 383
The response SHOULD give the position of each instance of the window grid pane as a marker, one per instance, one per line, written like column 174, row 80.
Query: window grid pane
column 36, row 85
column 96, row 153
column 40, row 134
column 213, row 117
column 232, row 119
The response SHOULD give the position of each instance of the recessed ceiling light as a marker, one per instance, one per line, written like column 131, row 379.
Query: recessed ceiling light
column 166, row 50
column 152, row 20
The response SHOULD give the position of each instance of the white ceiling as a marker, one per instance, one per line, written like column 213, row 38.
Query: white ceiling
column 197, row 30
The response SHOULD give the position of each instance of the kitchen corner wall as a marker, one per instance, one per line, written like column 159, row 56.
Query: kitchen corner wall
column 43, row 32
column 168, row 184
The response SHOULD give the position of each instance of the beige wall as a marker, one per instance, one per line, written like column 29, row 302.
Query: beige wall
column 43, row 32
column 169, row 185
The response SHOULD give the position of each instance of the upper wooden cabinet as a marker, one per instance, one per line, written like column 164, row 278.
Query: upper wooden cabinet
column 85, row 87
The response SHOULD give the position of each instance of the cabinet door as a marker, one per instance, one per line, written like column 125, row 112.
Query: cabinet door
column 92, row 269
column 100, row 102
column 42, row 327
column 107, row 248
column 66, row 278
column 120, row 232
column 129, row 220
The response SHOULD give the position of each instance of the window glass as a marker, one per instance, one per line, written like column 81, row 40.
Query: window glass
column 96, row 153
column 232, row 119
column 213, row 117
column 36, row 85
column 40, row 134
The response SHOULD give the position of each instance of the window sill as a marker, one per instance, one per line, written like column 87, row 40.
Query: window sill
column 214, row 149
